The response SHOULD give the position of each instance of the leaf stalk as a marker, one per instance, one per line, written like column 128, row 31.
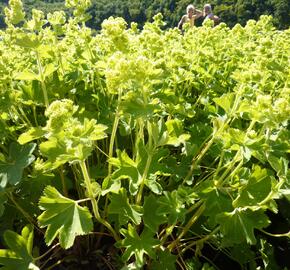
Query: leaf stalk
column 94, row 201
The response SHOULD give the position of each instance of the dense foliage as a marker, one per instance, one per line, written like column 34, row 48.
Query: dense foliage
column 143, row 149
column 230, row 12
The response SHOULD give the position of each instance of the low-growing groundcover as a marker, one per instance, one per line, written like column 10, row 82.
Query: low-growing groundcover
column 143, row 149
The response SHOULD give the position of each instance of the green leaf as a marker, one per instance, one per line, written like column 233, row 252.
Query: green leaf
column 164, row 261
column 135, row 106
column 125, row 126
column 31, row 93
column 19, row 254
column 176, row 141
column 153, row 185
column 175, row 132
column 256, row 190
column 151, row 216
column 242, row 253
column 187, row 195
column 110, row 185
column 32, row 134
column 174, row 127
column 46, row 51
column 27, row 76
column 157, row 165
column 274, row 65
column 127, row 169
column 69, row 139
column 280, row 165
column 28, row 234
column 137, row 246
column 159, row 133
column 267, row 253
column 63, row 217
column 28, row 40
column 19, row 158
column 126, row 212
column 226, row 101
column 238, row 226
column 237, row 136
column 18, row 243
column 48, row 70
column 215, row 202
column 172, row 206
column 55, row 152
column 73, row 143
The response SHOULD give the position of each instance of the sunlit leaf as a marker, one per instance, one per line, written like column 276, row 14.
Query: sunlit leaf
column 30, row 135
column 127, row 169
column 27, row 76
column 258, row 187
column 226, row 101
column 63, row 217
column 18, row 256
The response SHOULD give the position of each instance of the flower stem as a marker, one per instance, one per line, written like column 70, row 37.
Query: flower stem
column 43, row 86
column 94, row 201
column 193, row 219
column 114, row 131
column 147, row 166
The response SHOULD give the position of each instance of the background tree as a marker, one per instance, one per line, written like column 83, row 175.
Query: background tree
column 140, row 11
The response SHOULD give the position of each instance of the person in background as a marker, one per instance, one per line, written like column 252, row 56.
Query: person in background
column 208, row 14
column 191, row 15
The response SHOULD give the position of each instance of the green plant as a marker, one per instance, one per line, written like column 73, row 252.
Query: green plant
column 157, row 143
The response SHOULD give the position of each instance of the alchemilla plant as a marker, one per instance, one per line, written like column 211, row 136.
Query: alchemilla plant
column 142, row 149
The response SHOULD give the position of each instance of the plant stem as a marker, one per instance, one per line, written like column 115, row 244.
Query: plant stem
column 83, row 200
column 77, row 175
column 54, row 265
column 197, row 159
column 93, row 200
column 46, row 253
column 89, row 188
column 150, row 153
column 202, row 240
column 219, row 165
column 43, row 86
column 19, row 115
column 64, row 188
column 229, row 167
column 114, row 131
column 111, row 145
column 23, row 212
column 193, row 219
column 25, row 117
column 193, row 207
column 139, row 135
column 34, row 115
column 220, row 181
column 276, row 235
column 168, row 232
